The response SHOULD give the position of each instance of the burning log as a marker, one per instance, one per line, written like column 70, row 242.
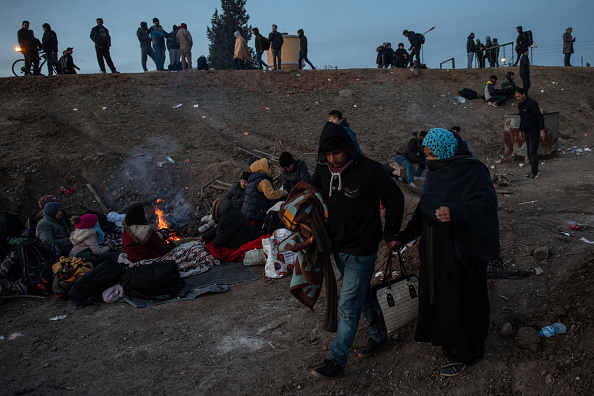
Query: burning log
column 164, row 228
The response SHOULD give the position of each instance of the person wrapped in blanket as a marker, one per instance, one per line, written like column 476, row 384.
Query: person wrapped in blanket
column 144, row 244
column 234, row 234
column 86, row 235
column 457, row 222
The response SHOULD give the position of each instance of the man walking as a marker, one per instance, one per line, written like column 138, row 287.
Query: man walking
column 144, row 38
column 415, row 46
column 30, row 49
column 470, row 49
column 184, row 38
column 568, row 46
column 352, row 186
column 276, row 42
column 240, row 53
column 525, row 71
column 260, row 48
column 100, row 36
column 173, row 47
column 303, row 50
column 67, row 63
column 49, row 44
column 531, row 122
column 521, row 43
column 158, row 36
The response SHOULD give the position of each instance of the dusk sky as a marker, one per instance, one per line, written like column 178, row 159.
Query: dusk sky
column 340, row 33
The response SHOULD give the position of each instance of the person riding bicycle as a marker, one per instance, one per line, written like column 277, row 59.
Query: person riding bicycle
column 29, row 47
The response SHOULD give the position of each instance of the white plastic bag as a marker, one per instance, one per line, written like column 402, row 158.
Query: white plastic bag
column 277, row 264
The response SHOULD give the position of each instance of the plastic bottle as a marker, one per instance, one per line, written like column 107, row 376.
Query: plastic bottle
column 460, row 99
column 554, row 329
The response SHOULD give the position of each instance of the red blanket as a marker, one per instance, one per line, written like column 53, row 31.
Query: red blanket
column 227, row 255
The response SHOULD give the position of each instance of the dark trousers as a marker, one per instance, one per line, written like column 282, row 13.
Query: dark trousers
column 480, row 58
column 525, row 82
column 32, row 59
column 238, row 64
column 532, row 143
column 52, row 60
column 103, row 53
column 276, row 55
column 146, row 51
column 417, row 53
column 567, row 61
column 303, row 57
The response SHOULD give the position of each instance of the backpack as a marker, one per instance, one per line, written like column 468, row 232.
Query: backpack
column 468, row 93
column 36, row 258
column 265, row 43
column 176, row 66
column 420, row 38
column 156, row 281
column 63, row 62
column 529, row 39
column 202, row 64
column 88, row 288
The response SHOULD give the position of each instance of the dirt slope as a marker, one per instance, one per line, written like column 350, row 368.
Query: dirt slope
column 256, row 338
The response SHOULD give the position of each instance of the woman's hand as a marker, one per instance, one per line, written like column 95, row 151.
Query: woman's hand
column 443, row 214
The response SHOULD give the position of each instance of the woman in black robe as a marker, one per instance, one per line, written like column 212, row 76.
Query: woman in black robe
column 457, row 222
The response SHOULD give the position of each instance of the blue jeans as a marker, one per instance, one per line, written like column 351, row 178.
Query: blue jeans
column 259, row 60
column 567, row 60
column 160, row 55
column 402, row 160
column 470, row 59
column 355, row 298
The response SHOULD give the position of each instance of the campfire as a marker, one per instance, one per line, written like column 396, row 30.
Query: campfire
column 164, row 228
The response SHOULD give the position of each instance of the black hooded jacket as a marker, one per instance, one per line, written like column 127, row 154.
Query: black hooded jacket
column 353, row 198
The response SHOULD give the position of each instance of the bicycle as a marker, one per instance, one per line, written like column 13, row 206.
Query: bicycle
column 18, row 67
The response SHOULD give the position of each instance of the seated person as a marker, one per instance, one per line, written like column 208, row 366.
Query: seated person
column 260, row 194
column 508, row 86
column 85, row 235
column 294, row 171
column 411, row 152
column 236, row 192
column 144, row 245
column 381, row 53
column 401, row 57
column 233, row 231
column 388, row 55
column 52, row 228
column 494, row 97
column 335, row 116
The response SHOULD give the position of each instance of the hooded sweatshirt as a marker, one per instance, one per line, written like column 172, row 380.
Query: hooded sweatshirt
column 353, row 198
column 184, row 38
column 143, row 35
column 241, row 50
column 51, row 229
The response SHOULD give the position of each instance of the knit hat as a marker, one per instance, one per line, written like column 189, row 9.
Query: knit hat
column 286, row 159
column 51, row 209
column 45, row 199
column 135, row 215
column 245, row 175
column 441, row 142
column 143, row 25
column 183, row 25
column 86, row 221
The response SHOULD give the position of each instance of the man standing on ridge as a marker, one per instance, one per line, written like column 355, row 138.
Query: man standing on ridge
column 276, row 43
column 521, row 43
column 568, row 46
column 184, row 38
column 30, row 49
column 49, row 44
column 525, row 71
column 303, row 50
column 144, row 38
column 415, row 46
column 470, row 49
column 259, row 44
column 531, row 122
column 100, row 36
column 158, row 36
column 173, row 47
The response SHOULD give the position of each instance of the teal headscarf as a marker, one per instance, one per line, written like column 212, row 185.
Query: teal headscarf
column 442, row 143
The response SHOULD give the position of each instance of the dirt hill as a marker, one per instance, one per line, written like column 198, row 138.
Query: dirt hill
column 115, row 132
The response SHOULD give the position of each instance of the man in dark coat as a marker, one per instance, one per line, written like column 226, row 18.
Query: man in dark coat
column 49, row 44
column 30, row 48
column 303, row 50
column 276, row 43
column 470, row 49
column 236, row 192
column 415, row 46
column 525, row 71
column 100, row 36
column 173, row 47
column 144, row 38
column 294, row 171
column 410, row 152
column 352, row 186
column 259, row 44
column 401, row 56
column 158, row 35
column 521, row 43
column 233, row 228
column 67, row 63
column 531, row 122
column 568, row 46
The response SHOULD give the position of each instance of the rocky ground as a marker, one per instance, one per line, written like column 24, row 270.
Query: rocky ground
column 114, row 132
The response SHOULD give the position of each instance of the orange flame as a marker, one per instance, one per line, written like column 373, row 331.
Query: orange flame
column 18, row 49
column 161, row 216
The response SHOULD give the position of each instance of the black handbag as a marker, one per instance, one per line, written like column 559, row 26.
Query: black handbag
column 397, row 299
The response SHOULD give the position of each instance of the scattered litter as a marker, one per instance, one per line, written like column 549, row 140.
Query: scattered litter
column 170, row 159
column 575, row 226
column 443, row 96
column 267, row 108
column 587, row 241
column 298, row 75
column 566, row 234
column 529, row 202
column 460, row 99
column 521, row 165
column 380, row 108
column 104, row 108
column 503, row 297
column 74, row 109
column 59, row 317
column 204, row 117
column 68, row 191
column 562, row 89
column 14, row 335
column 196, row 105
column 316, row 103
column 587, row 149
column 411, row 69
column 245, row 133
column 585, row 134
column 492, row 166
column 178, row 106
column 329, row 80
column 538, row 271
column 357, row 79
column 160, row 164
column 542, row 91
column 354, row 105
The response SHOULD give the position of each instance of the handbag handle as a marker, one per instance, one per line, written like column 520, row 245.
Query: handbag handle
column 388, row 270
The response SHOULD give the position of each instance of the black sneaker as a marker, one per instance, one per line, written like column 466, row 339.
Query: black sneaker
column 328, row 370
column 371, row 348
column 532, row 175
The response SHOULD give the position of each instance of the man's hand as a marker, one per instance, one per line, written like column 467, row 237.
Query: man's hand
column 443, row 214
column 543, row 135
column 393, row 245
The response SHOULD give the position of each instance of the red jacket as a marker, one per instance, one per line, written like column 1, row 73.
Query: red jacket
column 154, row 247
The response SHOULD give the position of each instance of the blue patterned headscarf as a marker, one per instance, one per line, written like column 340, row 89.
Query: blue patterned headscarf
column 442, row 142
